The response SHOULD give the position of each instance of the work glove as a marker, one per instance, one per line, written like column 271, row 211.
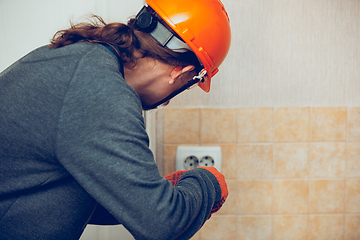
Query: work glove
column 176, row 176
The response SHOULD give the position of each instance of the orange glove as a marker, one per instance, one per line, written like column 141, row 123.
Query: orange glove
column 175, row 177
column 223, row 187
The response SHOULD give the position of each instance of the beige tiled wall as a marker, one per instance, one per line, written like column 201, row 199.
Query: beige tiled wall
column 292, row 173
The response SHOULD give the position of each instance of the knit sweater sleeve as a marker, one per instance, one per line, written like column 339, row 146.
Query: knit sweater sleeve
column 102, row 143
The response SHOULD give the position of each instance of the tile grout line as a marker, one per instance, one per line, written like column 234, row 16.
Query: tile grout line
column 200, row 144
column 200, row 122
column 346, row 160
column 287, row 214
column 236, row 181
column 273, row 176
column 310, row 141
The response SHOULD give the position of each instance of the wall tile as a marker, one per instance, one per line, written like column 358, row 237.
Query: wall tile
column 169, row 159
column 254, row 228
column 228, row 163
column 328, row 124
column 254, row 161
column 266, row 179
column 291, row 160
column 327, row 159
column 353, row 160
column 181, row 126
column 218, row 125
column 352, row 229
column 352, row 196
column 229, row 207
column 291, row 227
column 354, row 124
column 219, row 228
column 255, row 125
column 254, row 197
column 292, row 124
column 291, row 196
column 196, row 236
column 326, row 227
column 327, row 196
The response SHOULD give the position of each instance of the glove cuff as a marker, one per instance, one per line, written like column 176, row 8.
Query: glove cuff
column 223, row 187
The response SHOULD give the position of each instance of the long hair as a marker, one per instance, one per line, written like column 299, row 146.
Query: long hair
column 127, row 39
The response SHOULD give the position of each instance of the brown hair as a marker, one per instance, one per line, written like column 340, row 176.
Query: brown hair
column 127, row 39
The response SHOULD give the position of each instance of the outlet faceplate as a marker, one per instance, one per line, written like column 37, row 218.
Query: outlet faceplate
column 192, row 157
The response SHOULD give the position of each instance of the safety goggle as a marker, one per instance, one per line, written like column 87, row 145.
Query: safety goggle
column 148, row 22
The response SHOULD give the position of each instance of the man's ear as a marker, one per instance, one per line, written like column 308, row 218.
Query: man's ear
column 178, row 71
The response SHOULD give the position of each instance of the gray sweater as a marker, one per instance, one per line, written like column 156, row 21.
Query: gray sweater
column 74, row 151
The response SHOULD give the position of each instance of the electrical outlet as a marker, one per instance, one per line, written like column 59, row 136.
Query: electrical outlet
column 206, row 161
column 193, row 157
column 191, row 162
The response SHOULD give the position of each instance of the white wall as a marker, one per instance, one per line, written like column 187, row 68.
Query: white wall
column 287, row 53
column 26, row 25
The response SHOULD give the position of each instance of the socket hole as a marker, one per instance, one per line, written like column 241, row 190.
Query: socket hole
column 206, row 161
column 191, row 162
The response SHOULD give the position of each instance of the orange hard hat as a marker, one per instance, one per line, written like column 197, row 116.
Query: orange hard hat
column 203, row 25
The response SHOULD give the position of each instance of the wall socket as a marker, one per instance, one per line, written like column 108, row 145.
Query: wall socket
column 193, row 157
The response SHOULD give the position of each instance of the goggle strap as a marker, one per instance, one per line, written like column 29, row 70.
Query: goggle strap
column 173, row 94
